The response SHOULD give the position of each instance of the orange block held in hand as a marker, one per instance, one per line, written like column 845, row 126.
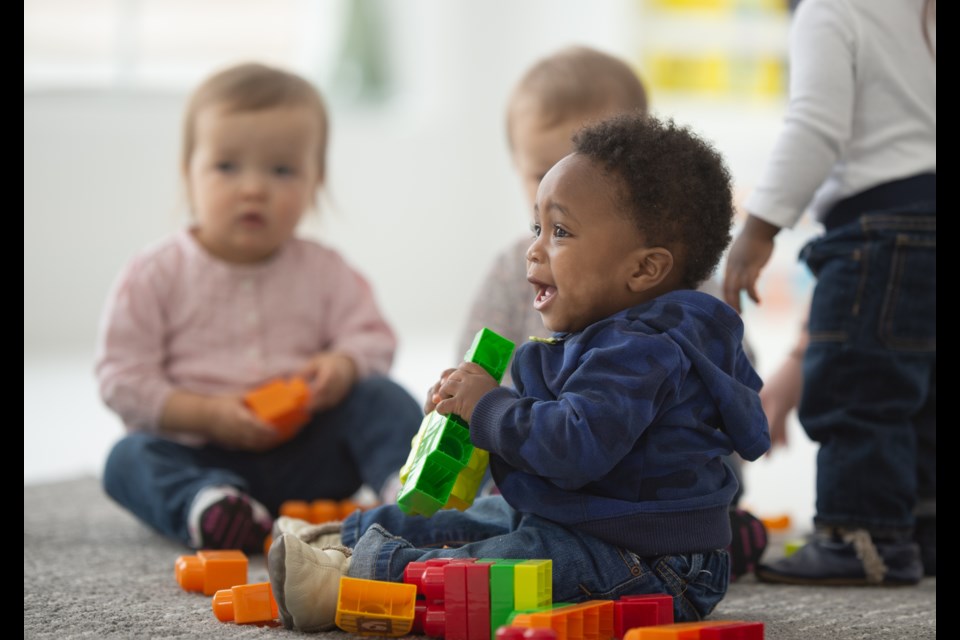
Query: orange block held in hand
column 281, row 403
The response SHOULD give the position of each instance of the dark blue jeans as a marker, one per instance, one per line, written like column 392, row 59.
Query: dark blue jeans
column 363, row 440
column 385, row 540
column 870, row 372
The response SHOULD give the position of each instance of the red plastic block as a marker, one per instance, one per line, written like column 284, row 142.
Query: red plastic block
column 434, row 620
column 510, row 632
column 419, row 615
column 478, row 600
column 630, row 615
column 664, row 604
column 736, row 631
column 539, row 634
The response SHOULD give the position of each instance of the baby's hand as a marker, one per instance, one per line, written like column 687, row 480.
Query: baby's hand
column 331, row 376
column 232, row 425
column 463, row 388
column 433, row 394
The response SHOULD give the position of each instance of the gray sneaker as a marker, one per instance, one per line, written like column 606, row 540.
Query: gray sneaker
column 847, row 558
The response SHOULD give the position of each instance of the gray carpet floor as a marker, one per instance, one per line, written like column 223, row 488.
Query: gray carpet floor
column 90, row 570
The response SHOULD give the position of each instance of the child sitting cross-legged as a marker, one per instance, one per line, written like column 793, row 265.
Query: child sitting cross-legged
column 609, row 450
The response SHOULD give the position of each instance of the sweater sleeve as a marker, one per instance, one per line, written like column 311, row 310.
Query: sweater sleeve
column 819, row 118
column 356, row 325
column 603, row 408
column 130, row 348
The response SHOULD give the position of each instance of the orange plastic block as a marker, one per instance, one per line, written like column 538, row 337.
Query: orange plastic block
column 211, row 571
column 776, row 523
column 320, row 511
column 591, row 620
column 324, row 511
column 375, row 608
column 245, row 603
column 299, row 509
column 281, row 403
column 687, row 630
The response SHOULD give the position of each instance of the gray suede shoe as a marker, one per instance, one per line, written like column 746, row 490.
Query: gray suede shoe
column 847, row 558
column 319, row 536
column 306, row 582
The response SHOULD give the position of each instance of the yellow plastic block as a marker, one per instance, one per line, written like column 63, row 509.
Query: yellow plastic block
column 210, row 571
column 375, row 608
column 468, row 481
column 533, row 584
column 245, row 604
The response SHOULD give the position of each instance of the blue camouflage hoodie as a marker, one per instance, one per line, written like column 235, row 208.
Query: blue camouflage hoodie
column 620, row 430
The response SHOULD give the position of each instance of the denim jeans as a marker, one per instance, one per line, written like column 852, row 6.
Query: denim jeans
column 385, row 539
column 365, row 439
column 870, row 372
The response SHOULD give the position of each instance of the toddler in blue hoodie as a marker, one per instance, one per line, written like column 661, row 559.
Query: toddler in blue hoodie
column 608, row 453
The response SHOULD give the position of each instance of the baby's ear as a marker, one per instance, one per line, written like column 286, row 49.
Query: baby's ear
column 651, row 266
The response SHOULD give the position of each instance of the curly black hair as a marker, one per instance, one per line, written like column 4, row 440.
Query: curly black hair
column 676, row 187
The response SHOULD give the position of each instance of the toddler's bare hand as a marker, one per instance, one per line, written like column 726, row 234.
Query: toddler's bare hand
column 462, row 389
column 234, row 426
column 331, row 376
column 434, row 396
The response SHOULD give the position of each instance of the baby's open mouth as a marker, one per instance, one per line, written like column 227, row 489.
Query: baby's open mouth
column 545, row 293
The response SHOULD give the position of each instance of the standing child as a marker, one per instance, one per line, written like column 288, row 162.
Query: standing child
column 609, row 450
column 232, row 301
column 860, row 147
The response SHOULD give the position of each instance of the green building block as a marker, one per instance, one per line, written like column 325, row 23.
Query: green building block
column 443, row 469
column 501, row 593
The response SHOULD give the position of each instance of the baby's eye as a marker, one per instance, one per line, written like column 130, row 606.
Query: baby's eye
column 283, row 170
column 559, row 232
column 225, row 166
column 535, row 228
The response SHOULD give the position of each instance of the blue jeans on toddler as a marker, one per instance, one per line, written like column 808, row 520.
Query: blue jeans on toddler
column 870, row 371
column 363, row 440
column 384, row 540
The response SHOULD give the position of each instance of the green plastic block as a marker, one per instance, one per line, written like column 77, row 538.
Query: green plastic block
column 443, row 469
column 491, row 351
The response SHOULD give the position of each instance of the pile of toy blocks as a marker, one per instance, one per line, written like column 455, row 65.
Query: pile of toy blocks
column 490, row 599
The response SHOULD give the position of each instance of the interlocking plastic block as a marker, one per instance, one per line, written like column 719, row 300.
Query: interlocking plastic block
column 442, row 470
column 533, row 584
column 644, row 610
column 375, row 608
column 210, row 571
column 776, row 523
column 491, row 351
column 320, row 511
column 684, row 630
column 245, row 604
column 282, row 404
column 539, row 634
column 591, row 620
column 445, row 450
column 478, row 600
column 790, row 547
column 735, row 631
column 501, row 592
column 509, row 632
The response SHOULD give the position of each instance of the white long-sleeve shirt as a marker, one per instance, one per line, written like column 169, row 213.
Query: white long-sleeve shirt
column 862, row 109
